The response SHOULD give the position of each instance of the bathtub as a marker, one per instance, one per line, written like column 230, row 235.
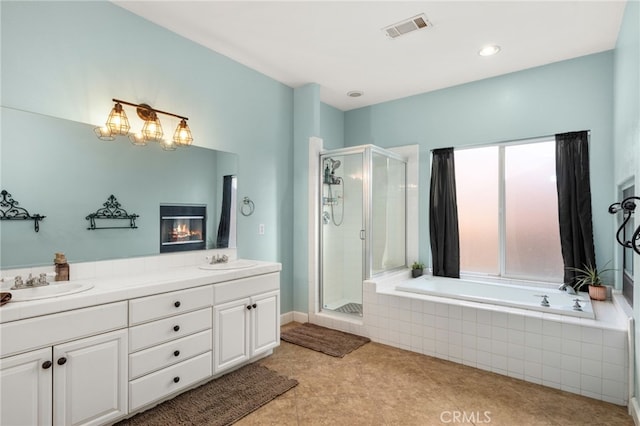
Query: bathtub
column 522, row 297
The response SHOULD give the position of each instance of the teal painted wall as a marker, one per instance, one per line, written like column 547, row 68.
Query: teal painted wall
column 68, row 59
column 570, row 95
column 331, row 127
column 627, row 134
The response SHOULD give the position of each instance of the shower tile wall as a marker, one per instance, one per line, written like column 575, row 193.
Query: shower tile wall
column 560, row 353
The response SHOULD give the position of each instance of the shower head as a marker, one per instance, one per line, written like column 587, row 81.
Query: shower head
column 334, row 164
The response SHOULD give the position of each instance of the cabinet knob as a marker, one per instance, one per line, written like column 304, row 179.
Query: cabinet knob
column 176, row 328
column 62, row 361
column 249, row 307
column 176, row 379
column 177, row 304
column 255, row 305
column 46, row 364
column 176, row 353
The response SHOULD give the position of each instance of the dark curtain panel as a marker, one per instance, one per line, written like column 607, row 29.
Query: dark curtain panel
column 225, row 214
column 574, row 202
column 443, row 215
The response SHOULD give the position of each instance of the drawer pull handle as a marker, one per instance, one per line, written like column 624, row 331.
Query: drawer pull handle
column 177, row 304
column 62, row 361
column 255, row 305
column 176, row 328
column 176, row 353
column 249, row 307
column 46, row 364
column 176, row 379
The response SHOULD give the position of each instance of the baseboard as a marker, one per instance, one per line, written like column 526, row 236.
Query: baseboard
column 634, row 410
column 293, row 316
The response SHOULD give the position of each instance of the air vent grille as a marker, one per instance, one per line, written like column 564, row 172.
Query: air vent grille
column 418, row 22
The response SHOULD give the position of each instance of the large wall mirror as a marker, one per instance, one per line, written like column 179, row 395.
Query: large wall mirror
column 59, row 169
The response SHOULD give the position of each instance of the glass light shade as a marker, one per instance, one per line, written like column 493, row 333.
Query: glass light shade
column 182, row 135
column 152, row 129
column 104, row 133
column 118, row 122
column 137, row 139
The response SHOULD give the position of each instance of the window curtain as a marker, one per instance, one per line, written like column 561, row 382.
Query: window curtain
column 443, row 215
column 225, row 214
column 574, row 202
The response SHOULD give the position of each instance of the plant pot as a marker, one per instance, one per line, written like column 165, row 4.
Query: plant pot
column 415, row 273
column 598, row 292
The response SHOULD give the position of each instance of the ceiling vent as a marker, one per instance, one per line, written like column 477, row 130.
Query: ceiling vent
column 418, row 22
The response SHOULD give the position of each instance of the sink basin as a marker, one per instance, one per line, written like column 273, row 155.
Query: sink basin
column 51, row 290
column 234, row 264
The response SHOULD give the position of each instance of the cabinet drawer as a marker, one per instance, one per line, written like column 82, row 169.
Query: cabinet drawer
column 153, row 333
column 154, row 386
column 150, row 308
column 161, row 356
column 48, row 330
column 246, row 287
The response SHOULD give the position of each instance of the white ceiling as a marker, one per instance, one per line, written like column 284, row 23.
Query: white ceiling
column 341, row 46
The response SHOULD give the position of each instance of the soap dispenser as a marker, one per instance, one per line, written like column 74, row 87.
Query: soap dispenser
column 327, row 173
column 62, row 267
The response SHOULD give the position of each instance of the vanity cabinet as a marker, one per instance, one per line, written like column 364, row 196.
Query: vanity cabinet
column 169, row 343
column 81, row 381
column 246, row 320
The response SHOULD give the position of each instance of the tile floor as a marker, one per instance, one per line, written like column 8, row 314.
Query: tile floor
column 382, row 385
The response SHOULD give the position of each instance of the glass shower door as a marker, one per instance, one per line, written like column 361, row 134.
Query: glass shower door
column 342, row 232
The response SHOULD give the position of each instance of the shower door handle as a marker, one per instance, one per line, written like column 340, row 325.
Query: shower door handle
column 363, row 234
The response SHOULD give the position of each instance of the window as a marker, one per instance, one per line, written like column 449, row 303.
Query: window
column 508, row 211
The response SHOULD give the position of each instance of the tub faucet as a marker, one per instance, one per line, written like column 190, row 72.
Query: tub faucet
column 566, row 287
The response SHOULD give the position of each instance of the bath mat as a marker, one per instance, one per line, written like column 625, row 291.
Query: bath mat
column 331, row 342
column 350, row 308
column 222, row 401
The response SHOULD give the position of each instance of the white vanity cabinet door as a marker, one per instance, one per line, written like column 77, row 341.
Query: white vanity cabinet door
column 265, row 322
column 25, row 389
column 231, row 333
column 90, row 380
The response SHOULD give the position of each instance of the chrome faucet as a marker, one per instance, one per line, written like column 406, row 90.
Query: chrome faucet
column 566, row 287
column 219, row 259
column 32, row 281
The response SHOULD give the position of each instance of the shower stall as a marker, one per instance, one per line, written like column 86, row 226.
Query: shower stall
column 362, row 222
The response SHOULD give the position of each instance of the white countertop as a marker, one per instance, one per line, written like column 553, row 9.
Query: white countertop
column 113, row 289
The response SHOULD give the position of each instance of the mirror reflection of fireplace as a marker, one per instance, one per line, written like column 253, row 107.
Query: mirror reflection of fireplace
column 182, row 227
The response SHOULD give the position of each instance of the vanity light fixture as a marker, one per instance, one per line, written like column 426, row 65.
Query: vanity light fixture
column 489, row 50
column 118, row 124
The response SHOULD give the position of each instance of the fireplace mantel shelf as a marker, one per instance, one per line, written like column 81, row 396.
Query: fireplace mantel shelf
column 111, row 210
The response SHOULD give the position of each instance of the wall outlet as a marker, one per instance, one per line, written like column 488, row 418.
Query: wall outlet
column 261, row 229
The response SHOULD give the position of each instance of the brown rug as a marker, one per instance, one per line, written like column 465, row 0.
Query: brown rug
column 321, row 339
column 219, row 402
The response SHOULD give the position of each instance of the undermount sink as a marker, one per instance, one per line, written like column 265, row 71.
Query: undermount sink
column 51, row 290
column 234, row 264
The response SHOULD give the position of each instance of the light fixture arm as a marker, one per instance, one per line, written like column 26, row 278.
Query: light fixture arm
column 147, row 107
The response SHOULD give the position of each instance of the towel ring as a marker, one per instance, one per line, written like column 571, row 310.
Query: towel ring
column 248, row 204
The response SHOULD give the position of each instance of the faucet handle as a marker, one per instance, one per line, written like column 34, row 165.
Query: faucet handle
column 544, row 301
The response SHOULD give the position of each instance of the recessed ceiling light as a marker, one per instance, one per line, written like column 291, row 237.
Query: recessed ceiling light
column 489, row 50
column 355, row 93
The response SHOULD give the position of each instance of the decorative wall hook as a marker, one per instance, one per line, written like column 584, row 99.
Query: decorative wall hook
column 247, row 207
column 627, row 206
column 111, row 210
column 9, row 210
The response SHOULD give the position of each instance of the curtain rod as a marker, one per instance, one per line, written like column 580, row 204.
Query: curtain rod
column 506, row 142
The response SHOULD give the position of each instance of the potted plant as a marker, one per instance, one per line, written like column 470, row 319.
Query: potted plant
column 416, row 269
column 590, row 276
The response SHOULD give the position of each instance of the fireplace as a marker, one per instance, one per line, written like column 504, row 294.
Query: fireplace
column 182, row 227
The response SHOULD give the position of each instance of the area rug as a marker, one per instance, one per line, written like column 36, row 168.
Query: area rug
column 219, row 402
column 331, row 342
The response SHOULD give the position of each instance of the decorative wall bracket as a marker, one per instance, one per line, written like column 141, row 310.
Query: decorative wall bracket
column 627, row 207
column 111, row 210
column 9, row 210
